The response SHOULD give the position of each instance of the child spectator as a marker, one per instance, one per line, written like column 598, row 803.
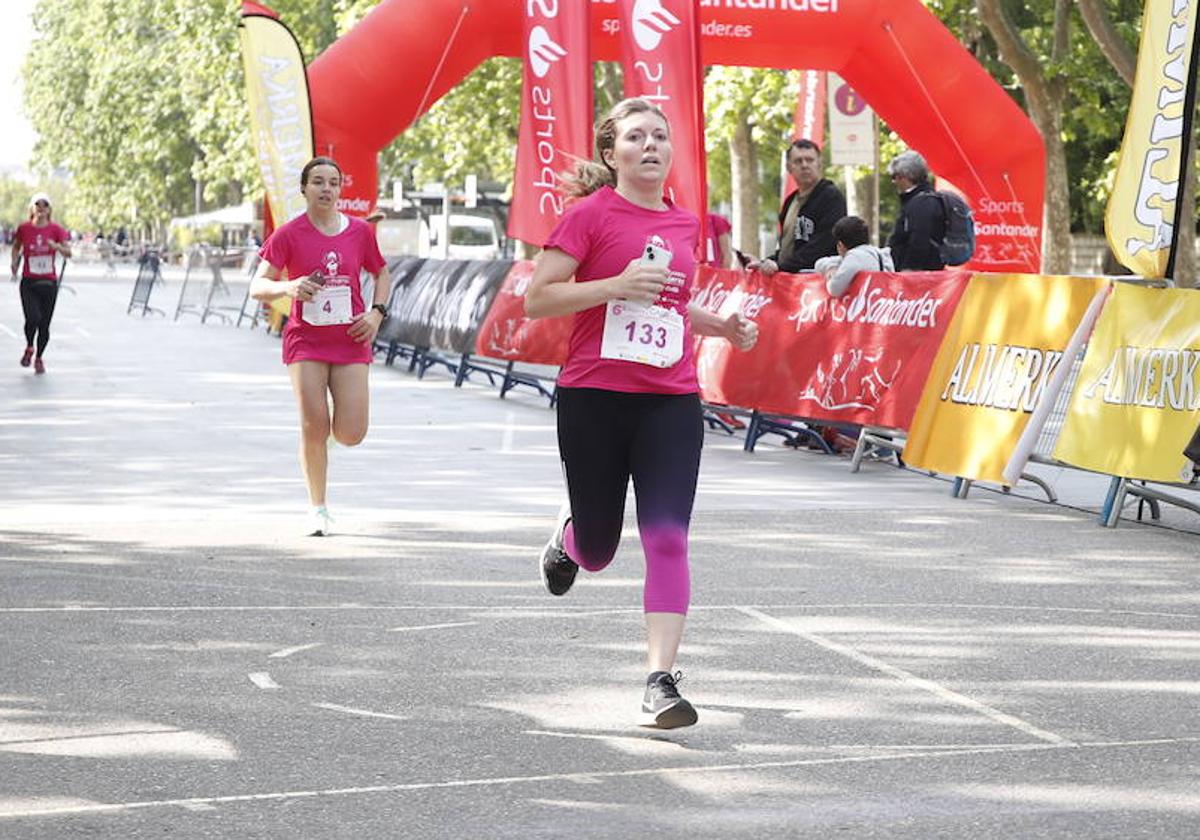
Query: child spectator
column 855, row 254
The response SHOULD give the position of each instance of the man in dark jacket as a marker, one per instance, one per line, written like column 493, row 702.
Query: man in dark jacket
column 808, row 214
column 921, row 226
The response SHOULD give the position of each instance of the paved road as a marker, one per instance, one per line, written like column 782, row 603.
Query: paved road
column 870, row 657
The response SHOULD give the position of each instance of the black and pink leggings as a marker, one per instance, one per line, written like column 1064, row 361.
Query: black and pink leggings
column 605, row 437
column 37, row 299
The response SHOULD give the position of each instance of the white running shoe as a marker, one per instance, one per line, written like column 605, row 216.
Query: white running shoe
column 320, row 523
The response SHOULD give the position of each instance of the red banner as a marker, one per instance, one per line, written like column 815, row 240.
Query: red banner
column 506, row 332
column 861, row 358
column 556, row 114
column 809, row 119
column 660, row 56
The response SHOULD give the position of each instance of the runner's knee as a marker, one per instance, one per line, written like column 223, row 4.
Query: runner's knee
column 350, row 436
column 594, row 548
column 315, row 429
column 668, row 579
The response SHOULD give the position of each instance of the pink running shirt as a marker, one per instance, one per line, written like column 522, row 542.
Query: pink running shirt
column 604, row 232
column 300, row 249
column 35, row 244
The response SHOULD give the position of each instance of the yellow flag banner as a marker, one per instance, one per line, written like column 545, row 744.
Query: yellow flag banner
column 280, row 111
column 1003, row 346
column 1143, row 214
column 1137, row 399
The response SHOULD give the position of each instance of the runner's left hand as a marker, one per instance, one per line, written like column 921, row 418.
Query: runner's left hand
column 366, row 326
column 741, row 332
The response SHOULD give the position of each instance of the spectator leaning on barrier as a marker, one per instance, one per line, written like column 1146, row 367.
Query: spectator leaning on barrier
column 808, row 214
column 919, row 230
column 855, row 254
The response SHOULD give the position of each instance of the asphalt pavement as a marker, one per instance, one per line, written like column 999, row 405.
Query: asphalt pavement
column 870, row 657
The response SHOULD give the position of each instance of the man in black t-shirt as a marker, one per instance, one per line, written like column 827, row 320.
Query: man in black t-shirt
column 808, row 214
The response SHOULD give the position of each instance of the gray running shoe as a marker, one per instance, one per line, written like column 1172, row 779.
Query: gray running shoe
column 662, row 705
column 557, row 569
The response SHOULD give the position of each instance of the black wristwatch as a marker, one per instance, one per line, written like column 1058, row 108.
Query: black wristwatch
column 381, row 309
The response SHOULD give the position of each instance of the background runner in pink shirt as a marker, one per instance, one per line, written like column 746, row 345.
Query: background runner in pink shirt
column 36, row 244
column 329, row 334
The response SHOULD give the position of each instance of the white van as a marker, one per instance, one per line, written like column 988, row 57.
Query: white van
column 471, row 237
column 402, row 237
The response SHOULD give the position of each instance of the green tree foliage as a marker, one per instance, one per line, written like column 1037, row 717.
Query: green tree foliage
column 1097, row 99
column 14, row 200
column 470, row 130
column 763, row 100
column 141, row 100
column 86, row 98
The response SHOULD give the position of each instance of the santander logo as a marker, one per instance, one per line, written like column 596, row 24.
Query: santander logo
column 543, row 52
column 651, row 22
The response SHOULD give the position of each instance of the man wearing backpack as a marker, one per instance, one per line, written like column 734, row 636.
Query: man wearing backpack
column 916, row 239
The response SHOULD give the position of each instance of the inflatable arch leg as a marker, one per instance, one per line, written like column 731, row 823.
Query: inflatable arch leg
column 374, row 82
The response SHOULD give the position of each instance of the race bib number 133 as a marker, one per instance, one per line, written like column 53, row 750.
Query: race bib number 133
column 648, row 335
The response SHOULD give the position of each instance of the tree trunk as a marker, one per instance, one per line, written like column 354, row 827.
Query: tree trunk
column 1044, row 98
column 743, row 163
column 864, row 200
column 1120, row 56
column 1056, row 228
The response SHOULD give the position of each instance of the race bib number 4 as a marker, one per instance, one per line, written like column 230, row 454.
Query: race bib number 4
column 648, row 335
column 41, row 265
column 328, row 307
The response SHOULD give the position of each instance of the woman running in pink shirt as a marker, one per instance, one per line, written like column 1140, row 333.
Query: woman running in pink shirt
column 38, row 240
column 330, row 330
column 622, row 261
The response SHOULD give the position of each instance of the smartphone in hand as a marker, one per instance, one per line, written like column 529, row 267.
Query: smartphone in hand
column 656, row 253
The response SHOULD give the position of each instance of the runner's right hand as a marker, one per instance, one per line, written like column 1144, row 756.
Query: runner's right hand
column 640, row 283
column 304, row 289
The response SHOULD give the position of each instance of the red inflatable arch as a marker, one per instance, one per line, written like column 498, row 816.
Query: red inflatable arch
column 376, row 80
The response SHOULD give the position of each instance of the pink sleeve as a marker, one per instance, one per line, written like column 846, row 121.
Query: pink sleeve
column 62, row 233
column 573, row 234
column 373, row 260
column 275, row 250
column 719, row 224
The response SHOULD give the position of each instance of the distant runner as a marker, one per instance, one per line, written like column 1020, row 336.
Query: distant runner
column 39, row 241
